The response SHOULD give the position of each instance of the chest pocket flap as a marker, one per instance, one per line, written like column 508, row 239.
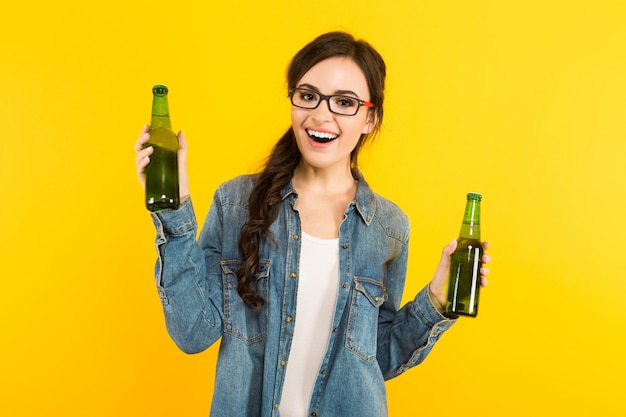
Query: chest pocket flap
column 373, row 290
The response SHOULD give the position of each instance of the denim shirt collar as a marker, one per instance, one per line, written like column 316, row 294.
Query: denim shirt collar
column 365, row 199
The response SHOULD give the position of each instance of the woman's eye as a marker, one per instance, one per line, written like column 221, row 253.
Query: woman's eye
column 346, row 102
column 308, row 97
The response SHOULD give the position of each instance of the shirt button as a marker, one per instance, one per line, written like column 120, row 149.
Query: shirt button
column 289, row 319
column 283, row 363
column 296, row 237
column 344, row 286
column 313, row 414
column 344, row 247
column 292, row 275
column 275, row 406
column 323, row 371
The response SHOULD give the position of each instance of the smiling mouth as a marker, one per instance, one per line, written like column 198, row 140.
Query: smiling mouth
column 321, row 137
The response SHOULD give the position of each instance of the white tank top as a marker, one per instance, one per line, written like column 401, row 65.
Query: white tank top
column 318, row 285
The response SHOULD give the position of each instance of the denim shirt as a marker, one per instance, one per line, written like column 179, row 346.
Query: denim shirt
column 372, row 339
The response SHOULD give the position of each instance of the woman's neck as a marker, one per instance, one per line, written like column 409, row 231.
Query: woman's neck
column 323, row 198
column 324, row 181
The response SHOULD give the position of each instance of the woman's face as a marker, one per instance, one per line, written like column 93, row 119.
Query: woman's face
column 326, row 139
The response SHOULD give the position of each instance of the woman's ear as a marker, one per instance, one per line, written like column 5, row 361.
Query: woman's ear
column 370, row 122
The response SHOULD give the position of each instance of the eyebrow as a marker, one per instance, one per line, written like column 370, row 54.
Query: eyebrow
column 337, row 92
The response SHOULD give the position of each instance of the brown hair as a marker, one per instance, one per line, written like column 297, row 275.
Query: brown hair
column 264, row 200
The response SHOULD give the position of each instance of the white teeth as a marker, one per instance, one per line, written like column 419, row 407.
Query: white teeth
column 321, row 135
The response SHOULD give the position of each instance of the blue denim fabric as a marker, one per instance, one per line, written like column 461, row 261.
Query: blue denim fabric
column 372, row 339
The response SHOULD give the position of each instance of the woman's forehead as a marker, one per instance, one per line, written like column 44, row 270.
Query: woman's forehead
column 335, row 75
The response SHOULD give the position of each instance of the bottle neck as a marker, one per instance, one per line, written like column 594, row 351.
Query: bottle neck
column 470, row 229
column 160, row 112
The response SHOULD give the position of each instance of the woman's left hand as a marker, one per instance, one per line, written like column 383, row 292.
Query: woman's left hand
column 437, row 286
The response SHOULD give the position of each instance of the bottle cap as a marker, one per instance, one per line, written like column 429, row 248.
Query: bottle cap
column 474, row 196
column 159, row 89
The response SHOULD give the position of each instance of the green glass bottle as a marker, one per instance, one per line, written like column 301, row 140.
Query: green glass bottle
column 162, row 172
column 464, row 283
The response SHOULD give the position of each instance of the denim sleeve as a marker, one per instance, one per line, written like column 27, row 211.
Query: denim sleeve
column 190, row 293
column 406, row 336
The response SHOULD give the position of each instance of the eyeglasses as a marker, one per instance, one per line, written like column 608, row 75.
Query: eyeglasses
column 338, row 104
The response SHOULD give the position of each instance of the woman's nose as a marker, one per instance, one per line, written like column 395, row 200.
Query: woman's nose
column 322, row 111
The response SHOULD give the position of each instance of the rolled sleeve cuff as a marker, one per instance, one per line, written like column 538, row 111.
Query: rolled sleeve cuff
column 174, row 222
column 425, row 308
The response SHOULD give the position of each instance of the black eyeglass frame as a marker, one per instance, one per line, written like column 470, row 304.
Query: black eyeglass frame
column 327, row 98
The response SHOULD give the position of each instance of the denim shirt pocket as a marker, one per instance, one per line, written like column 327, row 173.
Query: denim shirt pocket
column 240, row 320
column 361, row 336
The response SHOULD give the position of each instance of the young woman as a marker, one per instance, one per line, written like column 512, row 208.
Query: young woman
column 300, row 269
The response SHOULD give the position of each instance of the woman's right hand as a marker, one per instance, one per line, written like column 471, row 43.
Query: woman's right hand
column 142, row 160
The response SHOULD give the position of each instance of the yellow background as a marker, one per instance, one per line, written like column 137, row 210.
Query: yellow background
column 522, row 101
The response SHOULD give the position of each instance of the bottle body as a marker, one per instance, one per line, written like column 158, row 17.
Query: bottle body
column 162, row 191
column 464, row 284
column 465, row 264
